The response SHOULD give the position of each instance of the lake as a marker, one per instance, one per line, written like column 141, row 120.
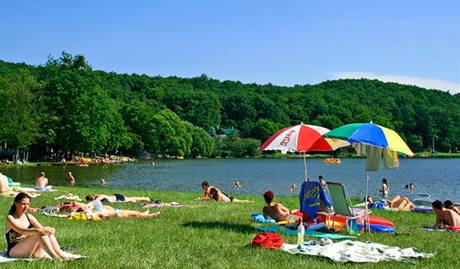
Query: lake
column 440, row 177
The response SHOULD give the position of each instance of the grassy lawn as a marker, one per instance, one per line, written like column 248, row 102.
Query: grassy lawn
column 211, row 235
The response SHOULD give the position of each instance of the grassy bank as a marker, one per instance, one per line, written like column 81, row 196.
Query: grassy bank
column 211, row 235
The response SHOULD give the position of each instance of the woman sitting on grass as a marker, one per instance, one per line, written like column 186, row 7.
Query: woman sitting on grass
column 116, row 197
column 26, row 237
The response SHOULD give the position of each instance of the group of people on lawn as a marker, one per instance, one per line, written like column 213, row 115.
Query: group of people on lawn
column 26, row 237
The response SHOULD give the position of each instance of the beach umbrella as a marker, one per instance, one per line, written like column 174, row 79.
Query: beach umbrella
column 302, row 138
column 377, row 143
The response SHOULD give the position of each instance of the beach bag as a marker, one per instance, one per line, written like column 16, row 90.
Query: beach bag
column 267, row 240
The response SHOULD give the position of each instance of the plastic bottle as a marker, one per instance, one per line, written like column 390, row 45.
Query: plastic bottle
column 300, row 233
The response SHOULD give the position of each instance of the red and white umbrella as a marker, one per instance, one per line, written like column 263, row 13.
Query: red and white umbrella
column 302, row 138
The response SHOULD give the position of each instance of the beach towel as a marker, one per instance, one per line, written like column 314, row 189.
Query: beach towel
column 26, row 189
column 68, row 196
column 356, row 251
column 172, row 204
column 257, row 217
column 311, row 193
column 452, row 229
column 5, row 258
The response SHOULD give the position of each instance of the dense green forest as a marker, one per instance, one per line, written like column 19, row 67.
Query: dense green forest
column 64, row 105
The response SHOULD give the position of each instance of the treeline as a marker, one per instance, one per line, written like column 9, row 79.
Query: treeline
column 64, row 105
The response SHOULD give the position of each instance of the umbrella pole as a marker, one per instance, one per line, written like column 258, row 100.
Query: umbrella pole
column 366, row 214
column 305, row 165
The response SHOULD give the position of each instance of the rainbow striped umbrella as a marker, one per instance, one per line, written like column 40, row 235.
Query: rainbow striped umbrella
column 371, row 134
column 375, row 139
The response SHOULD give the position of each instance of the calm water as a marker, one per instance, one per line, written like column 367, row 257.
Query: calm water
column 440, row 177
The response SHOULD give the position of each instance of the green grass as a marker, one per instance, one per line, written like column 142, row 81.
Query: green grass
column 212, row 235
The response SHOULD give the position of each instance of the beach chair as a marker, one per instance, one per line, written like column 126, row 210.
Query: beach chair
column 342, row 204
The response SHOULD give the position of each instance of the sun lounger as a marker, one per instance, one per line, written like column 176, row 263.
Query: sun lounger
column 342, row 203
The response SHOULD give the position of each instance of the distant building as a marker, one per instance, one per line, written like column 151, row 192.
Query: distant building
column 227, row 132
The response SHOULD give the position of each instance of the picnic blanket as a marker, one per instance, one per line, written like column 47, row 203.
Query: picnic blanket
column 172, row 204
column 356, row 251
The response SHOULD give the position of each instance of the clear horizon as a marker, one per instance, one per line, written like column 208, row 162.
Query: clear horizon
column 410, row 42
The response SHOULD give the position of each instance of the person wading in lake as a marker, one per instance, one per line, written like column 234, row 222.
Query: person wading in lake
column 71, row 179
column 385, row 188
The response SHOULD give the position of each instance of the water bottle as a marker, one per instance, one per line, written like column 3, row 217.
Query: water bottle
column 300, row 233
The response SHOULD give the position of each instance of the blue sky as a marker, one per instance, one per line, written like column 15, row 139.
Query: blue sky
column 279, row 42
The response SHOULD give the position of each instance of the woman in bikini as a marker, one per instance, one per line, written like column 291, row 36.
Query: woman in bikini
column 26, row 237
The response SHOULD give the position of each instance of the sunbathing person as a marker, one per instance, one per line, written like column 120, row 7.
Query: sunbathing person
column 449, row 205
column 96, row 208
column 116, row 197
column 445, row 217
column 206, row 190
column 26, row 237
column 219, row 196
column 274, row 210
column 122, row 213
column 41, row 183
column 401, row 204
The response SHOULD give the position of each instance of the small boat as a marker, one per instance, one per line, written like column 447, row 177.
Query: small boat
column 332, row 160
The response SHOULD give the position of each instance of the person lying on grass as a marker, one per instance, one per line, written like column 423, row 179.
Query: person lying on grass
column 401, row 204
column 206, row 190
column 449, row 205
column 219, row 196
column 103, row 211
column 116, row 197
column 445, row 217
column 26, row 237
column 274, row 210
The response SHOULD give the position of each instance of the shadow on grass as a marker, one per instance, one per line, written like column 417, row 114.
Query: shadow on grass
column 234, row 227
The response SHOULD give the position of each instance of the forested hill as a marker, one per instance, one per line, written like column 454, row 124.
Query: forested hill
column 65, row 105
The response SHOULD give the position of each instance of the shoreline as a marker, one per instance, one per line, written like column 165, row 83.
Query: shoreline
column 320, row 156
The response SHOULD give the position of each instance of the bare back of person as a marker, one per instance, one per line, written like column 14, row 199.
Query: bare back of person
column 277, row 212
column 451, row 217
column 41, row 182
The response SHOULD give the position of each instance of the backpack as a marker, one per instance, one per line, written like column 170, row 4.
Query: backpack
column 267, row 240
